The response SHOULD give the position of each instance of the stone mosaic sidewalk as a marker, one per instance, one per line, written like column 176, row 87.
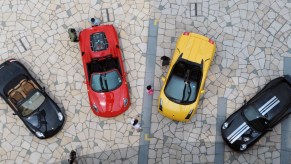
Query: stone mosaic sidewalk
column 252, row 38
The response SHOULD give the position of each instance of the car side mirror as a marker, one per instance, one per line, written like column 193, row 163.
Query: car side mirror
column 163, row 78
column 202, row 92
column 117, row 46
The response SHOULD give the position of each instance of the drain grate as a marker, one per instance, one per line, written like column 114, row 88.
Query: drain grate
column 107, row 15
column 195, row 9
column 22, row 44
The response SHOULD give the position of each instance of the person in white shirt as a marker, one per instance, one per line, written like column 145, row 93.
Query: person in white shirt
column 135, row 124
column 95, row 21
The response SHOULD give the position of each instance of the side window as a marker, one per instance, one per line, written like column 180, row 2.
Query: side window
column 98, row 41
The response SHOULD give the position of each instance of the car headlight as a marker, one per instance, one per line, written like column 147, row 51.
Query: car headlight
column 189, row 114
column 60, row 115
column 246, row 139
column 94, row 106
column 125, row 101
column 225, row 125
column 243, row 147
column 161, row 105
column 39, row 134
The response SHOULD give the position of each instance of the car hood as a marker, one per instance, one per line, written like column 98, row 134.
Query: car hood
column 176, row 111
column 238, row 131
column 46, row 119
column 110, row 103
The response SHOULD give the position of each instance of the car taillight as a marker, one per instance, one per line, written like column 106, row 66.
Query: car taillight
column 211, row 41
column 186, row 33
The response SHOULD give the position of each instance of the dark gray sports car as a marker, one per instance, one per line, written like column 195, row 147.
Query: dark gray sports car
column 29, row 101
column 259, row 115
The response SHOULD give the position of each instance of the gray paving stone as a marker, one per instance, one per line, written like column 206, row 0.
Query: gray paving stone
column 286, row 127
column 147, row 101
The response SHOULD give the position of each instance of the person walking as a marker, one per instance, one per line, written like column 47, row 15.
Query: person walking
column 135, row 123
column 73, row 35
column 72, row 158
column 150, row 90
column 95, row 21
column 165, row 61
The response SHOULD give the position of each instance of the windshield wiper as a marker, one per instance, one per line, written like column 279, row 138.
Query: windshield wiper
column 189, row 91
column 174, row 99
column 106, row 84
column 187, row 83
column 101, row 82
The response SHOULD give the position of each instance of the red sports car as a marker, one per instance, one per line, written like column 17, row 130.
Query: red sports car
column 104, row 71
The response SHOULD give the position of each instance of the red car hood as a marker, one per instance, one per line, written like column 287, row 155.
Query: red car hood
column 110, row 103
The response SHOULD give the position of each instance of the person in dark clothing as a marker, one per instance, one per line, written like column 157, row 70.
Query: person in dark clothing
column 165, row 61
column 72, row 158
column 73, row 35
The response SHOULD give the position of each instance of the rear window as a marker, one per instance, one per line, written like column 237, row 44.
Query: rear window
column 98, row 41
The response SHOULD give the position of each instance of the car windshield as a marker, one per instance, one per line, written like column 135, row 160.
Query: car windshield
column 255, row 118
column 106, row 81
column 31, row 103
column 183, row 84
column 98, row 41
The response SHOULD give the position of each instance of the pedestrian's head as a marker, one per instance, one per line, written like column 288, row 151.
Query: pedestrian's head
column 149, row 87
column 135, row 122
column 92, row 19
column 73, row 154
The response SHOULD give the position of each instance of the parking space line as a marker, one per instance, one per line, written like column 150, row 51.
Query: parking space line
column 285, row 153
column 148, row 100
column 219, row 144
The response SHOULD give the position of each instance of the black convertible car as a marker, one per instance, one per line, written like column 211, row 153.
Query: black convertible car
column 29, row 101
column 259, row 115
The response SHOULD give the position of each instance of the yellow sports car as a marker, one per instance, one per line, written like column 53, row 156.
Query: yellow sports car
column 186, row 77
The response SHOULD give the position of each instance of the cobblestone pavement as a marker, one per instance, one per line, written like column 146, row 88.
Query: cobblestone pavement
column 252, row 38
column 56, row 61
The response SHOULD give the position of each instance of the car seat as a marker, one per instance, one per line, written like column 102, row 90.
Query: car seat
column 15, row 96
column 27, row 87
